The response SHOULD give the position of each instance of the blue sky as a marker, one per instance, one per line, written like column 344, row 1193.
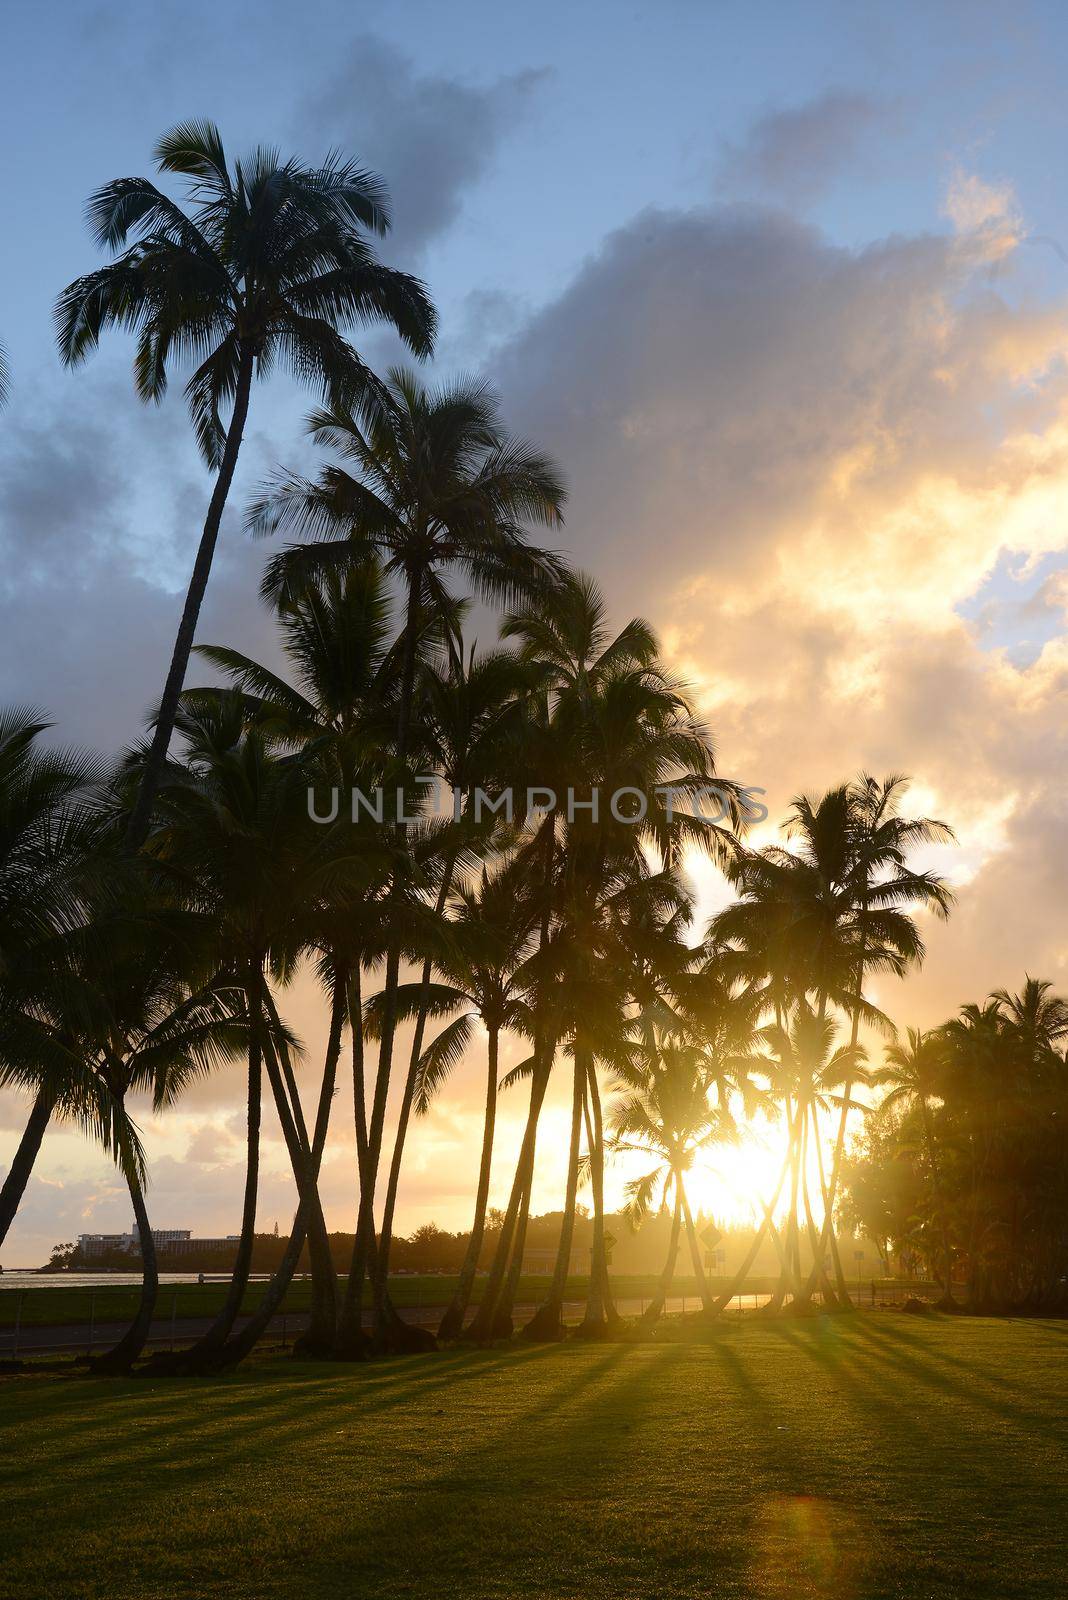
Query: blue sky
column 785, row 289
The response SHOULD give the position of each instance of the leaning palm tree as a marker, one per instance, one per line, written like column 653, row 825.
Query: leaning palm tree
column 262, row 269
column 133, row 1003
column 431, row 483
column 49, row 833
column 5, row 377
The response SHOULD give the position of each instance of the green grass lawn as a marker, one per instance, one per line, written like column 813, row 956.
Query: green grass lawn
column 873, row 1456
column 54, row 1304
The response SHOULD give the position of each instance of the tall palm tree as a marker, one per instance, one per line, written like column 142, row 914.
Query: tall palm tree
column 5, row 377
column 338, row 706
column 431, row 483
column 471, row 714
column 233, row 831
column 816, row 916
column 609, row 718
column 265, row 265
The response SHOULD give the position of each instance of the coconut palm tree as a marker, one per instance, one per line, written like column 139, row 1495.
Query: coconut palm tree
column 472, row 712
column 233, row 832
column 609, row 720
column 816, row 916
column 913, row 1076
column 337, row 638
column 432, row 484
column 262, row 268
column 134, row 1005
column 49, row 835
column 664, row 1114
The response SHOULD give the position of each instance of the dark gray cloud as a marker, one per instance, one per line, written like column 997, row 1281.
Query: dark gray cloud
column 101, row 508
column 793, row 155
column 431, row 137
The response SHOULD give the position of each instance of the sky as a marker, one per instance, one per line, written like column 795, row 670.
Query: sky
column 784, row 288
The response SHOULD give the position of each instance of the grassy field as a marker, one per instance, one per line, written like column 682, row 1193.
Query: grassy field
column 55, row 1304
column 874, row 1456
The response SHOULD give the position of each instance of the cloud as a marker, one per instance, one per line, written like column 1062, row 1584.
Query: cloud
column 431, row 137
column 793, row 155
column 988, row 211
column 800, row 461
column 95, row 557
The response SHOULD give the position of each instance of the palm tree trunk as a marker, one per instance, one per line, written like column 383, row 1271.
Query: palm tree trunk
column 319, row 1337
column 485, row 1321
column 547, row 1323
column 737, row 1283
column 596, row 1323
column 453, row 1320
column 121, row 1357
column 407, row 1336
column 695, row 1254
column 18, row 1174
column 359, row 1084
column 655, row 1309
column 615, row 1321
column 940, row 1204
column 493, row 1317
column 350, row 1331
column 203, row 1354
column 137, row 829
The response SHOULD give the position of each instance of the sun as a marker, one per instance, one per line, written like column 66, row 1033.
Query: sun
column 735, row 1182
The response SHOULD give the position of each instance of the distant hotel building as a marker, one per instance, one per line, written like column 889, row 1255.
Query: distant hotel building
column 168, row 1241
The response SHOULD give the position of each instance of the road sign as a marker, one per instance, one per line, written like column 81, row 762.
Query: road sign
column 711, row 1235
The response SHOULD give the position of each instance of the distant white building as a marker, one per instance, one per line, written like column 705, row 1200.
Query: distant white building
column 171, row 1241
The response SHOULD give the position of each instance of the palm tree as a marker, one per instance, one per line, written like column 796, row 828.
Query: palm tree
column 49, row 829
column 269, row 260
column 134, row 1005
column 337, row 638
column 5, row 377
column 435, row 485
column 809, row 1071
column 815, row 917
column 471, row 713
column 913, row 1076
column 234, row 833
column 665, row 1115
column 609, row 718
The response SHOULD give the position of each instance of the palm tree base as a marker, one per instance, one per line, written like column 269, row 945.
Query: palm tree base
column 593, row 1328
column 314, row 1345
column 451, row 1326
column 546, row 1326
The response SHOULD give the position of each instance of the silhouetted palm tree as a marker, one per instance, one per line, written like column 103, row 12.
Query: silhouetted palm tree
column 50, row 833
column 270, row 259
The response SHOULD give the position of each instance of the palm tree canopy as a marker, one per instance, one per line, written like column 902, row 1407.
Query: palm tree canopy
column 267, row 261
column 429, row 480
